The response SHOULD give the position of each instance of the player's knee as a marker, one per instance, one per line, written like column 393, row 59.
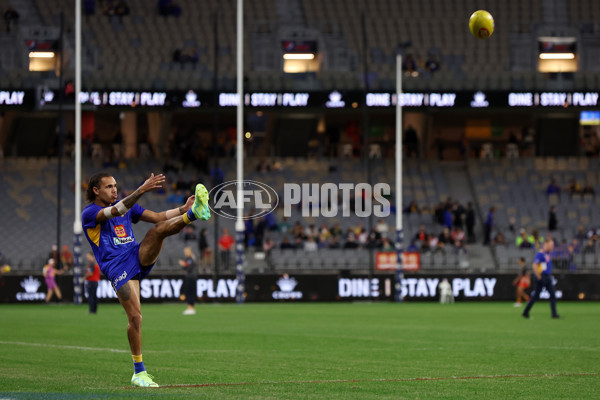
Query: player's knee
column 161, row 228
column 135, row 320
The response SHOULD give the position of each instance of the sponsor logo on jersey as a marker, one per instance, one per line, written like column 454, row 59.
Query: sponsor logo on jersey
column 120, row 231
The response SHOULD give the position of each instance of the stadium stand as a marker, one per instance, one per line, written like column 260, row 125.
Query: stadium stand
column 137, row 50
column 515, row 187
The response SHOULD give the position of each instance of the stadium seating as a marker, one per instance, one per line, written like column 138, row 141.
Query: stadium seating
column 136, row 51
column 515, row 187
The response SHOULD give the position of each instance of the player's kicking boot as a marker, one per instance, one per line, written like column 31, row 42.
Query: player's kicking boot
column 143, row 379
column 200, row 206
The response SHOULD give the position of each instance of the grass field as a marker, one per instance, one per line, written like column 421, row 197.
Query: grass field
column 305, row 351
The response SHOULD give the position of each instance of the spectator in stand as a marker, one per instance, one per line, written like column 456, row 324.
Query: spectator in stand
column 432, row 64
column 298, row 230
column 458, row 237
column 248, row 231
column 363, row 237
column 411, row 208
column 310, row 231
column 409, row 65
column 334, row 242
column 263, row 166
column 421, row 235
column 310, row 244
column 351, row 241
column 226, row 242
column 536, row 240
column 204, row 249
column 458, row 214
column 575, row 247
column 66, row 257
column 89, row 7
column 109, row 7
column 286, row 245
column 168, row 7
column 552, row 219
column 189, row 233
column 268, row 245
column 10, row 16
column 324, row 231
column 271, row 221
column 470, row 222
column 412, row 247
column 336, row 231
column 176, row 198
column 573, row 188
column 552, row 188
column 438, row 213
column 448, row 218
column 499, row 239
column 386, row 245
column 284, row 226
column 512, row 221
column 411, row 141
column 382, row 227
column 54, row 254
column 434, row 244
column 92, row 277
column 588, row 189
column 590, row 247
column 373, row 240
column 121, row 8
column 322, row 241
column 259, row 232
column 445, row 238
column 489, row 226
column 523, row 241
column 580, row 235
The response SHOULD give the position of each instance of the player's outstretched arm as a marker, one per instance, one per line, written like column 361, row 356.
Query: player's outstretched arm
column 121, row 208
column 152, row 183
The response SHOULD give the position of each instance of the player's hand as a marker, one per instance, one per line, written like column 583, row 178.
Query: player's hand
column 189, row 203
column 152, row 183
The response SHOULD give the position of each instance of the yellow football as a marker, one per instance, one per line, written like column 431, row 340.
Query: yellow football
column 481, row 24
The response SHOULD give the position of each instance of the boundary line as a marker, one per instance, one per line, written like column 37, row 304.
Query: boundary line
column 64, row 346
column 442, row 378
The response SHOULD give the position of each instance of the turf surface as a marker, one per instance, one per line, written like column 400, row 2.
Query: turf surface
column 304, row 351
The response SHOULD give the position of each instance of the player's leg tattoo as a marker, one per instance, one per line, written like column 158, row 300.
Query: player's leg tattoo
column 124, row 292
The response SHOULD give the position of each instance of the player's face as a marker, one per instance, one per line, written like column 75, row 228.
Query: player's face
column 107, row 193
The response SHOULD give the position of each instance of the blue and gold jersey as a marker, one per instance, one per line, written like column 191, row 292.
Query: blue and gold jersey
column 544, row 262
column 112, row 238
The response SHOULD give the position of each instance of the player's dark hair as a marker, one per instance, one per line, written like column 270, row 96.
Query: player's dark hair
column 95, row 182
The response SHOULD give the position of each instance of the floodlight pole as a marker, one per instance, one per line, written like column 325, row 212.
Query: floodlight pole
column 399, row 276
column 239, row 225
column 77, row 228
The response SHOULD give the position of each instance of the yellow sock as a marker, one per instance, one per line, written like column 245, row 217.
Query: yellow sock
column 186, row 219
column 137, row 359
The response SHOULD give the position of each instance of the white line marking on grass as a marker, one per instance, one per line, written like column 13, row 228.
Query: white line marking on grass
column 325, row 381
column 64, row 346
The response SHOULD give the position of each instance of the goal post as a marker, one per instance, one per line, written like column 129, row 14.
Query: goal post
column 399, row 275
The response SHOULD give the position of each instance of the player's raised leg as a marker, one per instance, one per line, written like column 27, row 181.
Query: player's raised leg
column 152, row 244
